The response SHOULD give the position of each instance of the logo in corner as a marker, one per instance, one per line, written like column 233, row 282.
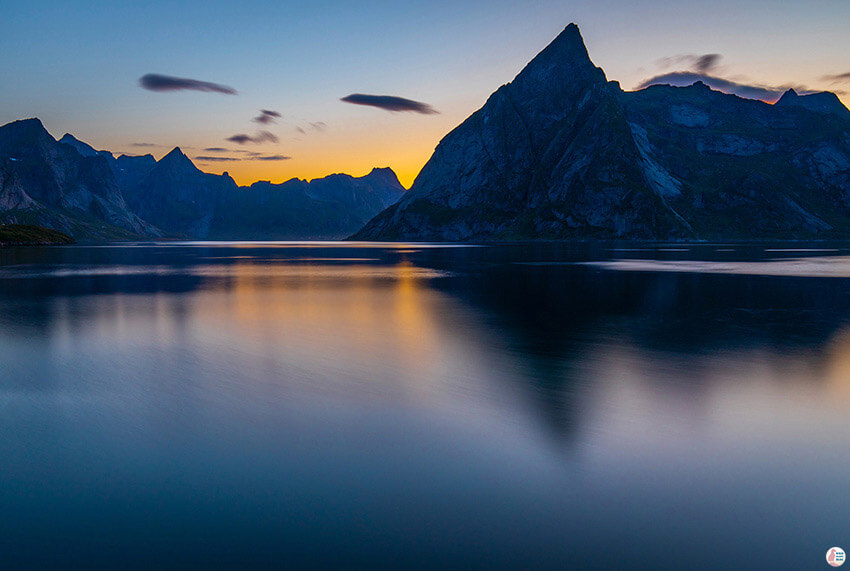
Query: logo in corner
column 835, row 556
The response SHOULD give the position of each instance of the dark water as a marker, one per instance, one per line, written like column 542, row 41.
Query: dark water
column 406, row 406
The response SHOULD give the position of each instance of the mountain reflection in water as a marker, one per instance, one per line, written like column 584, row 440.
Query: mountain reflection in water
column 415, row 405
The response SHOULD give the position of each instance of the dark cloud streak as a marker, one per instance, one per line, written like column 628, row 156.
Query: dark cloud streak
column 267, row 116
column 271, row 158
column 707, row 62
column 206, row 159
column 703, row 63
column 253, row 157
column 390, row 103
column 157, row 82
column 260, row 137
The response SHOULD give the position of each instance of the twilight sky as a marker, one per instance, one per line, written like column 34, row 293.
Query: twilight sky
column 81, row 70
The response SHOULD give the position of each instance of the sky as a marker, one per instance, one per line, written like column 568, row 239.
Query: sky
column 80, row 69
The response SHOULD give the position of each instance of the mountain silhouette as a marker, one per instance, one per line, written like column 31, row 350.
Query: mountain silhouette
column 69, row 186
column 560, row 152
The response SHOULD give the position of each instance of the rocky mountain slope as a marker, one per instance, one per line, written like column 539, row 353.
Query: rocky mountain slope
column 46, row 183
column 560, row 152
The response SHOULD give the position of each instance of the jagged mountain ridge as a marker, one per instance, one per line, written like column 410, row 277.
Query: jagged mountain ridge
column 89, row 194
column 560, row 153
column 326, row 208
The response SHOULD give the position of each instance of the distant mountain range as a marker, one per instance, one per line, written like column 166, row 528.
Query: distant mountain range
column 69, row 186
column 560, row 152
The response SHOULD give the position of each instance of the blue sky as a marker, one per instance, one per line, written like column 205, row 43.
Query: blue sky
column 77, row 68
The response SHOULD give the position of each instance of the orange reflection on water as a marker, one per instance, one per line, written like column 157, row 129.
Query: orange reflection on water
column 318, row 316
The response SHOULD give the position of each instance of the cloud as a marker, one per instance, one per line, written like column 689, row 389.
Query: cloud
column 144, row 145
column 701, row 63
column 318, row 126
column 838, row 78
column 251, row 157
column 240, row 139
column 390, row 103
column 707, row 62
column 271, row 158
column 207, row 159
column 157, row 82
column 260, row 137
column 267, row 116
column 216, row 150
column 768, row 93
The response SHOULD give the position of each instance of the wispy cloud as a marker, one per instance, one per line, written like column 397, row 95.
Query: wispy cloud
column 211, row 159
column 144, row 145
column 260, row 137
column 157, row 82
column 390, row 103
column 267, row 116
column 271, row 158
column 702, row 63
column 251, row 157
column 216, row 150
column 837, row 78
column 317, row 126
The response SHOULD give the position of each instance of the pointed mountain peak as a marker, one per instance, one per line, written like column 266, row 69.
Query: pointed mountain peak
column 175, row 152
column 788, row 98
column 177, row 160
column 567, row 47
column 562, row 65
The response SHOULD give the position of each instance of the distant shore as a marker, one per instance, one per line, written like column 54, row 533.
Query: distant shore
column 28, row 235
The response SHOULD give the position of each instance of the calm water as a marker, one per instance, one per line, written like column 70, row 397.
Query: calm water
column 348, row 405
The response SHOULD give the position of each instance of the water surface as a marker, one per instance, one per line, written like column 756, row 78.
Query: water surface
column 424, row 406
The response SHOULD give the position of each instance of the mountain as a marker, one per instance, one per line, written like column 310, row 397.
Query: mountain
column 326, row 208
column 560, row 152
column 177, row 197
column 47, row 183
column 127, row 169
column 90, row 194
column 823, row 102
column 184, row 201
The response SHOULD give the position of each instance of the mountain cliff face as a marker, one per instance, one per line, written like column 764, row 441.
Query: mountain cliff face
column 47, row 183
column 739, row 168
column 560, row 152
